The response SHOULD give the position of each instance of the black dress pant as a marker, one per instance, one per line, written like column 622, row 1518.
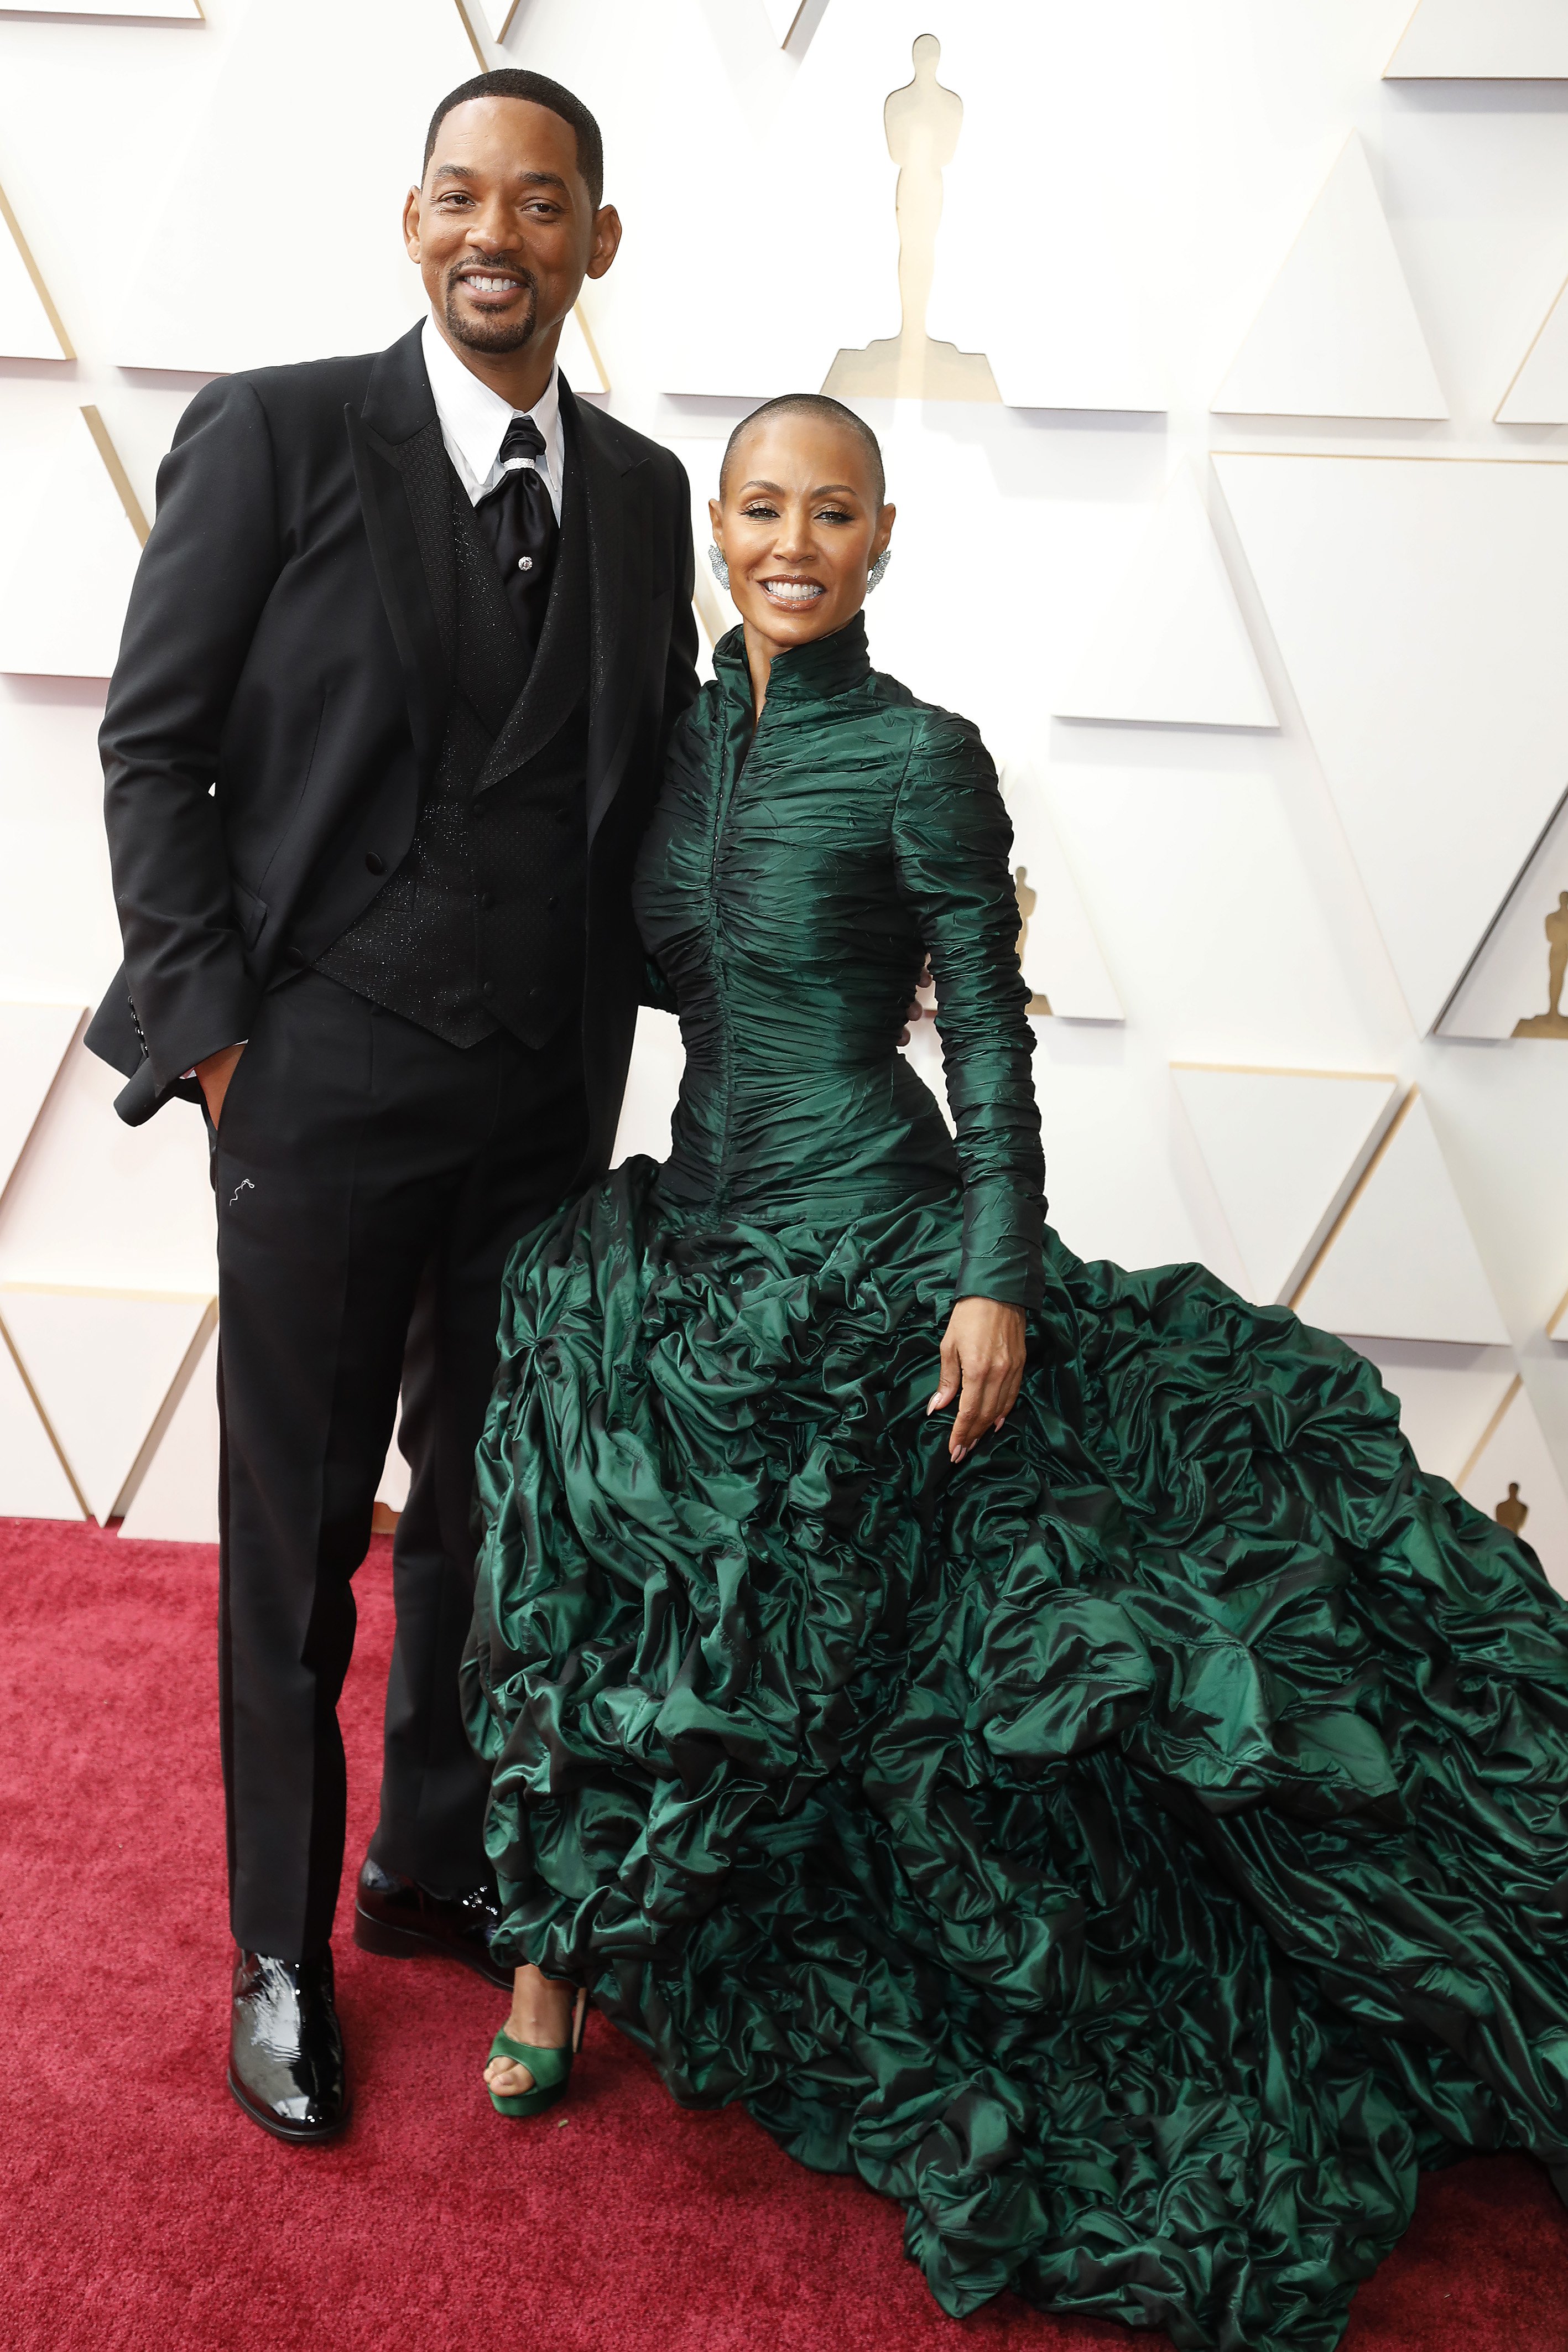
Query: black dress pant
column 371, row 1183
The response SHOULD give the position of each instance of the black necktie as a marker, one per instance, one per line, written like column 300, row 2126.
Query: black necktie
column 518, row 521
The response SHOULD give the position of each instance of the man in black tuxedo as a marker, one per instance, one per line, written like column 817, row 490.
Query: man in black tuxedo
column 403, row 654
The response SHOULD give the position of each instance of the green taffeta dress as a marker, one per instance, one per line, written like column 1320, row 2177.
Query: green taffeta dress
column 1139, row 1850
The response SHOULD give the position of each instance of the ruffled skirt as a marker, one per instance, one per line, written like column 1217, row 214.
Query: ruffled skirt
column 1137, row 1851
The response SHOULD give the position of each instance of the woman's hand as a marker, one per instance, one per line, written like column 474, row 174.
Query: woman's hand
column 982, row 1365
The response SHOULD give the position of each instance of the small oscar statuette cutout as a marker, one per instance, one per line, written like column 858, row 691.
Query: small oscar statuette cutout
column 1027, row 899
column 1512, row 1511
column 1553, row 1021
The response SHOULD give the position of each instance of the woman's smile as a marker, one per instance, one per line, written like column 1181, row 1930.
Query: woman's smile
column 792, row 592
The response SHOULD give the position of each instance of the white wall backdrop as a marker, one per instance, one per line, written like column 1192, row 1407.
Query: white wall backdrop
column 1246, row 546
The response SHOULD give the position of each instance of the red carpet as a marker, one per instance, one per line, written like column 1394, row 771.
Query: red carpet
column 140, row 2210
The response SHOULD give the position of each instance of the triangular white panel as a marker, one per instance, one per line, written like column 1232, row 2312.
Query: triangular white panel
column 1283, row 1148
column 1507, row 991
column 1173, row 648
column 1517, row 1454
column 1446, row 1396
column 33, row 1041
column 1061, row 958
column 781, row 16
column 653, row 1085
column 1401, row 1263
column 1337, row 334
column 1483, row 40
column 176, row 1499
column 275, row 112
column 1539, row 393
column 101, row 1364
column 27, row 331
column 1421, row 607
column 64, row 590
column 33, row 1485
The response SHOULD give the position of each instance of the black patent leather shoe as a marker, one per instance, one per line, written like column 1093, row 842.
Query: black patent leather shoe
column 400, row 1919
column 286, row 2047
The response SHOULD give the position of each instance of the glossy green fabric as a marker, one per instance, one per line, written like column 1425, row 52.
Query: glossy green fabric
column 1137, row 1851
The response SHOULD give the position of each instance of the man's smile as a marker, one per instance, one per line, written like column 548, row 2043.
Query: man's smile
column 491, row 284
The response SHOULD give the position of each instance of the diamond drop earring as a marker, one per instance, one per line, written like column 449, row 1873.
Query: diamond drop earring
column 874, row 578
column 720, row 567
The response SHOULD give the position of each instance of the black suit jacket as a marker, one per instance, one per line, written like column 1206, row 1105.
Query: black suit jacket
column 282, row 692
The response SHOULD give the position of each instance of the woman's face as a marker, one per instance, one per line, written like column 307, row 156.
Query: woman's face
column 800, row 527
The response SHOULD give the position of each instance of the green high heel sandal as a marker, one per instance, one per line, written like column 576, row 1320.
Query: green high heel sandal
column 552, row 2069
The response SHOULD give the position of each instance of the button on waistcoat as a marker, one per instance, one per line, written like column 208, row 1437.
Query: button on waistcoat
column 482, row 924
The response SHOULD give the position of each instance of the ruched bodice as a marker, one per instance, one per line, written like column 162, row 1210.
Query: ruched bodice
column 794, row 876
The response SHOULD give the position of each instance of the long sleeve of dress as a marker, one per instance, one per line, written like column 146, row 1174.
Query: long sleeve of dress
column 951, row 844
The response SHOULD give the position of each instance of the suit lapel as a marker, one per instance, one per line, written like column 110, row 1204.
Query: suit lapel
column 616, row 494
column 400, row 462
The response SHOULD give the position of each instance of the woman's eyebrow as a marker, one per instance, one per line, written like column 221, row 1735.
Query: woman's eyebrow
column 844, row 490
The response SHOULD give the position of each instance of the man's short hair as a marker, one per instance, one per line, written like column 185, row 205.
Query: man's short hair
column 511, row 81
column 809, row 404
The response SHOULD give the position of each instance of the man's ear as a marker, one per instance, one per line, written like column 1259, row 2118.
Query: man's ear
column 607, row 235
column 412, row 211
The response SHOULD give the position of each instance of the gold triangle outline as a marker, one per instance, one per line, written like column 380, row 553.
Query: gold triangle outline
column 580, row 315
column 87, row 14
column 1490, row 1431
column 61, row 1456
column 157, row 1428
column 114, row 466
column 1274, row 1070
column 74, row 1040
column 1399, row 44
column 475, row 42
column 1357, row 1190
column 1497, row 415
column 1277, row 1070
column 56, row 324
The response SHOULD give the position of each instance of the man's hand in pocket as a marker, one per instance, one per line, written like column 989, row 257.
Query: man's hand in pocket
column 213, row 1075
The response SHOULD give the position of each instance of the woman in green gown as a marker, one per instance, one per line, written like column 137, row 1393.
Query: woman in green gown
column 1123, row 1818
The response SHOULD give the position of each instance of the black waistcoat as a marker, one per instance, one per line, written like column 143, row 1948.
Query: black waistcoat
column 482, row 924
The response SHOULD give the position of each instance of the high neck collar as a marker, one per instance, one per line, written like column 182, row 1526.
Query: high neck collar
column 813, row 672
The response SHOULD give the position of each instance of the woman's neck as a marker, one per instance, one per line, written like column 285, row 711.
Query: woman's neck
column 759, row 653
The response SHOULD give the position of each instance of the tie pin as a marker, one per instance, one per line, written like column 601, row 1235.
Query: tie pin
column 525, row 564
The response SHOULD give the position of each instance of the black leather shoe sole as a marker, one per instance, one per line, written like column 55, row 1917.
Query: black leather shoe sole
column 298, row 2135
column 392, row 1943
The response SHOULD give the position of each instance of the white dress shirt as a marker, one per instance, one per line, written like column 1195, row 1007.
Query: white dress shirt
column 474, row 421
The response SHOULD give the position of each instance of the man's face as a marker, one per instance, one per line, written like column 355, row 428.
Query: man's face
column 502, row 227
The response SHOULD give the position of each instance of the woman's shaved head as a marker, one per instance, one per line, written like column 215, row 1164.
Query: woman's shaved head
column 823, row 410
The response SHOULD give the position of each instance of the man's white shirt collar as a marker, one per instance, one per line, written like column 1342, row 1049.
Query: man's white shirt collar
column 473, row 420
